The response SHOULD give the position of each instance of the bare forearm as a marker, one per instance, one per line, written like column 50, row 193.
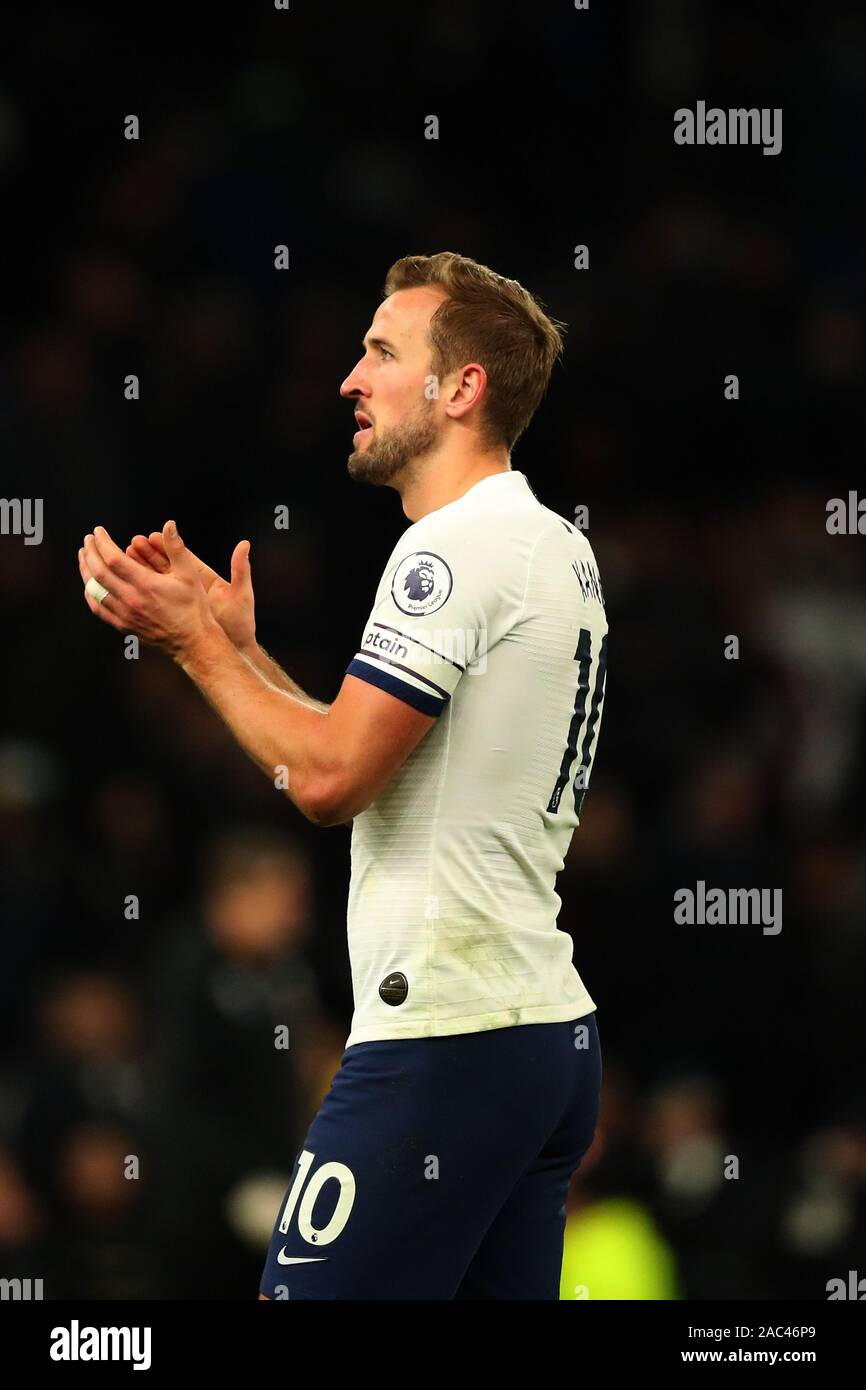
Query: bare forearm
column 276, row 728
column 278, row 677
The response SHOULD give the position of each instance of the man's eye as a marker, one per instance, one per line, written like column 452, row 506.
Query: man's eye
column 385, row 352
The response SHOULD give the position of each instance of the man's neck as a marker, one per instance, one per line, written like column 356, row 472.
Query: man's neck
column 439, row 483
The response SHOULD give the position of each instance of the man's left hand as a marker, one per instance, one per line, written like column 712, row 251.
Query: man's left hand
column 170, row 611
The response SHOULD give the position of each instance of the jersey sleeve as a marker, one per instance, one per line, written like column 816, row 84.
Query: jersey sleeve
column 436, row 614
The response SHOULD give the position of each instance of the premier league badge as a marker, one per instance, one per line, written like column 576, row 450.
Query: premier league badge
column 421, row 584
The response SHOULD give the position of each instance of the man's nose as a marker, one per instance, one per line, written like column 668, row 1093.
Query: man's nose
column 353, row 385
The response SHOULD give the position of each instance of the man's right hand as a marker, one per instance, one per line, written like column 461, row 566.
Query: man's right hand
column 232, row 602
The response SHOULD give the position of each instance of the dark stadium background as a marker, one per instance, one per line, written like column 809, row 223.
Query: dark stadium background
column 153, row 1037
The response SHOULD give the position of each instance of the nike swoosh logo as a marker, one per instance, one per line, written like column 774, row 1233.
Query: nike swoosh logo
column 285, row 1259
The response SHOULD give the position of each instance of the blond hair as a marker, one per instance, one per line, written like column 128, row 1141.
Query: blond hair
column 492, row 321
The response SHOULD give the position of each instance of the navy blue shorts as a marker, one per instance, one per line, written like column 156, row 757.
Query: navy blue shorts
column 438, row 1168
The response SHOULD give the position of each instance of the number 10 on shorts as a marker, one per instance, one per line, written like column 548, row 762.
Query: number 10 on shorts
column 329, row 1172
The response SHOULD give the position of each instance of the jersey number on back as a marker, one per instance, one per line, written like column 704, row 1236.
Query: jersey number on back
column 580, row 724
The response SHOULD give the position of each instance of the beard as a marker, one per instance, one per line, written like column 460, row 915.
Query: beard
column 380, row 461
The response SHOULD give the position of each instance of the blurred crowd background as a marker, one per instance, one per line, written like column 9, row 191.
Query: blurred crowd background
column 147, row 1122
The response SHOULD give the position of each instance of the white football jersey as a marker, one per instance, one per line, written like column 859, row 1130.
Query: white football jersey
column 490, row 615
